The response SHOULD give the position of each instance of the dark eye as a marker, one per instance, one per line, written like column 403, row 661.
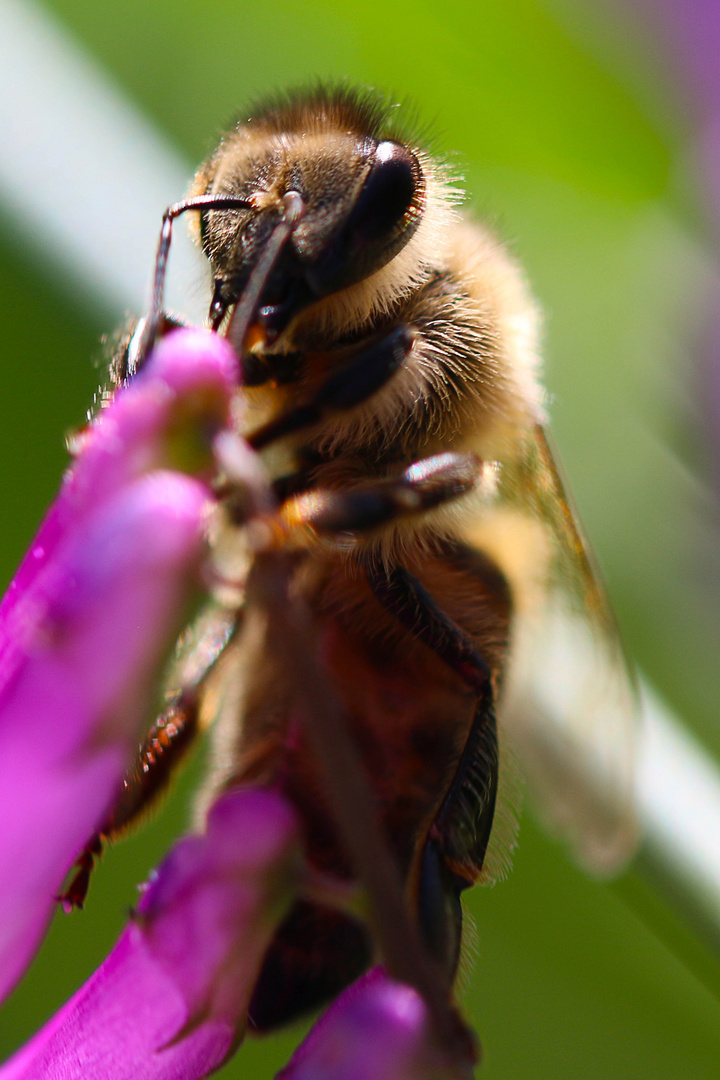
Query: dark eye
column 387, row 193
column 384, row 216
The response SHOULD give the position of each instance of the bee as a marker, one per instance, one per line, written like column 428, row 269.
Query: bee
column 389, row 347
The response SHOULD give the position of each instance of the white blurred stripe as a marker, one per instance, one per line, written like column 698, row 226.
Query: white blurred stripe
column 678, row 800
column 82, row 174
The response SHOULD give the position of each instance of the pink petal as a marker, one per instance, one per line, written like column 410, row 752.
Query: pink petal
column 76, row 684
column 90, row 616
column 170, row 1001
column 377, row 1030
column 164, row 419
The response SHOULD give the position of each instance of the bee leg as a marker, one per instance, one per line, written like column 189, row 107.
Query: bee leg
column 76, row 892
column 454, row 851
column 457, row 841
column 126, row 361
column 165, row 745
column 362, row 376
column 425, row 485
column 402, row 594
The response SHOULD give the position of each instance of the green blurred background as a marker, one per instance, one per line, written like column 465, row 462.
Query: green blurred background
column 568, row 134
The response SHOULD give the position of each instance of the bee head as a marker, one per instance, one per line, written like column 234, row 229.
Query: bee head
column 362, row 195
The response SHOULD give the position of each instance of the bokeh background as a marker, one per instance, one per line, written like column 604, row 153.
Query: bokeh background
column 575, row 126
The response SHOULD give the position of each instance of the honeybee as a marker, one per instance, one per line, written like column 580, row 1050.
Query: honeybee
column 391, row 386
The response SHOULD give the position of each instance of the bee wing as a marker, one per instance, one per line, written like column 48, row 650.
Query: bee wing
column 569, row 705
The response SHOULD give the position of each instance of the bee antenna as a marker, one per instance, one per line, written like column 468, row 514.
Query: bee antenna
column 154, row 317
column 245, row 309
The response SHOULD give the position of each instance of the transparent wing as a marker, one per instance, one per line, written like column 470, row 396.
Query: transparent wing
column 569, row 706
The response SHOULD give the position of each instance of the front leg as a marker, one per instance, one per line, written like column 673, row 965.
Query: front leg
column 427, row 484
column 165, row 745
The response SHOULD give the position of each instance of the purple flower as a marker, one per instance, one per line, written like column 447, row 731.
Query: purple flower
column 385, row 1020
column 88, row 620
column 170, row 1000
column 84, row 631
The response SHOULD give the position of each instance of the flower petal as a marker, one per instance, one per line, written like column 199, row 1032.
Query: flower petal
column 378, row 1029
column 170, row 1001
column 88, row 640
column 90, row 614
column 160, row 420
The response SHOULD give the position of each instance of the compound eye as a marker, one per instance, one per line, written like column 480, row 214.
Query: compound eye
column 389, row 191
column 382, row 219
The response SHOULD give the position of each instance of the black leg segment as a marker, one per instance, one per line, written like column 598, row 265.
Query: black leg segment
column 455, row 847
column 362, row 376
column 411, row 604
column 424, row 486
